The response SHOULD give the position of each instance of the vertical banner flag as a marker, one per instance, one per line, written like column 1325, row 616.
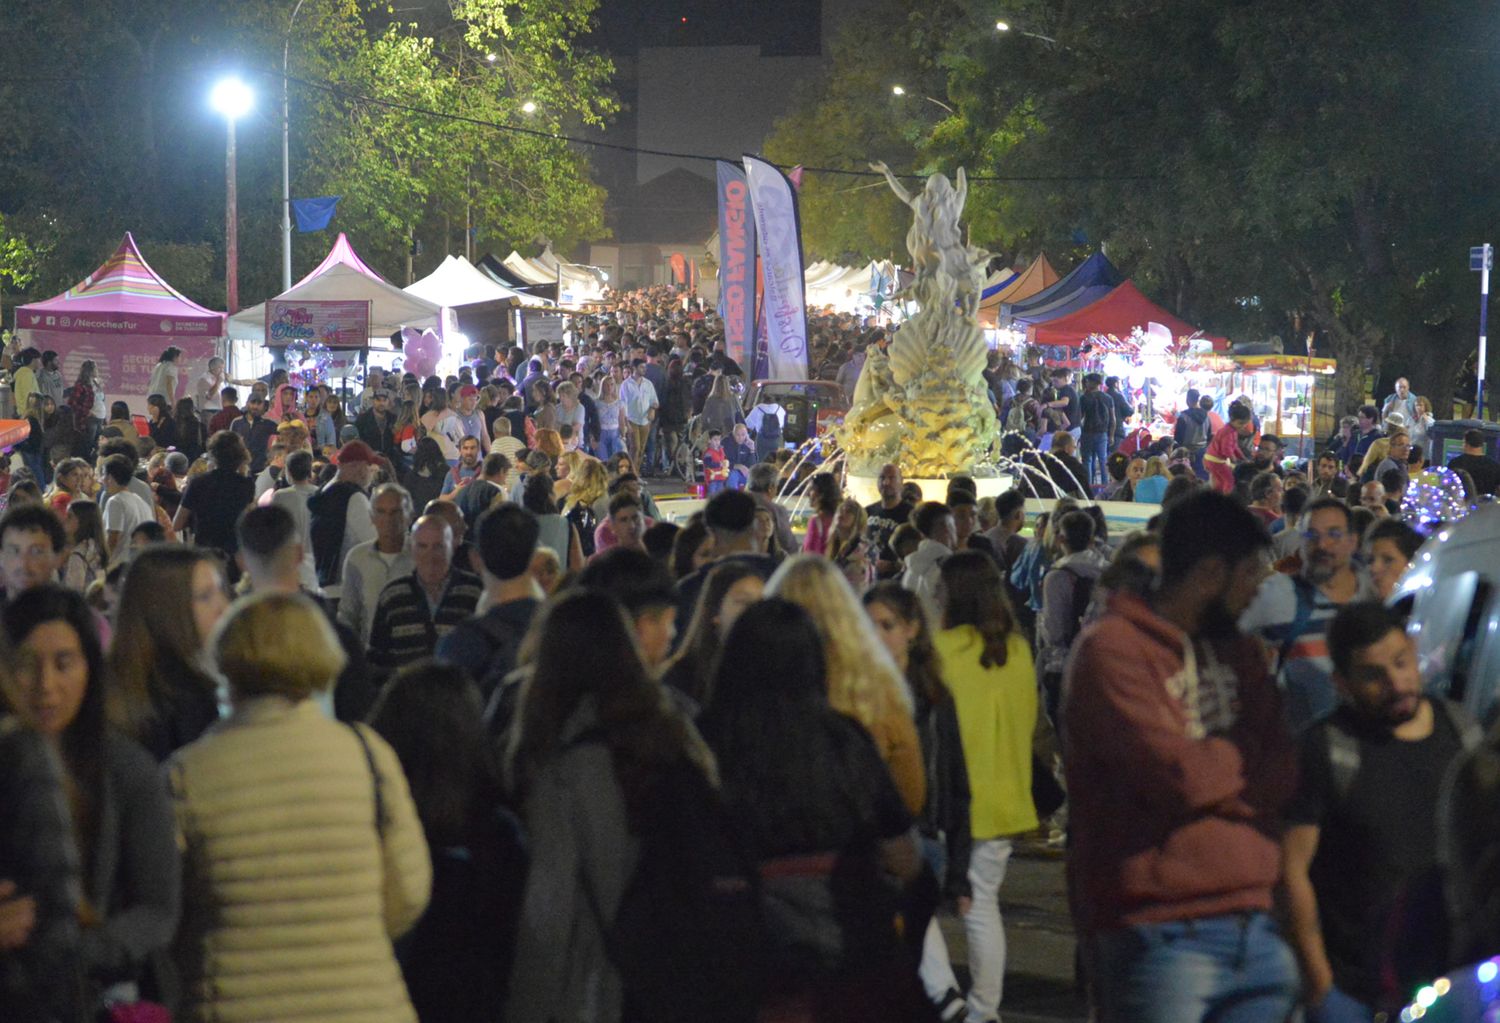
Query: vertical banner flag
column 736, row 262
column 778, row 231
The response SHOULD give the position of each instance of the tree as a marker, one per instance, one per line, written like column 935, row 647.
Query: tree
column 1262, row 165
column 113, row 132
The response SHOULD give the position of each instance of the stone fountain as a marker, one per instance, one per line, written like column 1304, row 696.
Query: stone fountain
column 922, row 402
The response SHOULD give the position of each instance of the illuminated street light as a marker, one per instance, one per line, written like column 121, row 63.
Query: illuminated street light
column 1002, row 26
column 898, row 90
column 492, row 57
column 528, row 107
column 233, row 99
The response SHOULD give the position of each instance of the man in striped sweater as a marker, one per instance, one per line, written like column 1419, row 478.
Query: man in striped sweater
column 416, row 610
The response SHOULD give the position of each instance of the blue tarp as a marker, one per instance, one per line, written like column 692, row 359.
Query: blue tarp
column 1096, row 271
column 999, row 286
column 1065, row 304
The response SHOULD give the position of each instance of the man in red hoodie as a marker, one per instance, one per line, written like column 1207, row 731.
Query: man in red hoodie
column 1178, row 766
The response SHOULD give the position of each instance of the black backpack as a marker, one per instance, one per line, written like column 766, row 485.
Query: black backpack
column 688, row 937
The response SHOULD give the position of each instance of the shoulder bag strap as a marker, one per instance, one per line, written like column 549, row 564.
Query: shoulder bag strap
column 364, row 744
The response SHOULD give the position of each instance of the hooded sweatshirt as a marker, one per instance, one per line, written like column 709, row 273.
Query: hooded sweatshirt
column 1178, row 768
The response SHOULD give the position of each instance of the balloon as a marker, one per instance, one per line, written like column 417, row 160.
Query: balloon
column 422, row 351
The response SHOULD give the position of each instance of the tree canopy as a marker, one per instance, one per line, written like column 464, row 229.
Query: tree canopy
column 1273, row 168
column 109, row 129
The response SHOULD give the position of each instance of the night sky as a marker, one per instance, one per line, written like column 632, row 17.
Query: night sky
column 780, row 27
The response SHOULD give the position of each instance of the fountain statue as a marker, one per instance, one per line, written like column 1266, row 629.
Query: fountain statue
column 922, row 403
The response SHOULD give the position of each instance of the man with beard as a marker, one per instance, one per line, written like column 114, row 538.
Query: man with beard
column 1291, row 612
column 1169, row 711
column 1354, row 850
column 883, row 517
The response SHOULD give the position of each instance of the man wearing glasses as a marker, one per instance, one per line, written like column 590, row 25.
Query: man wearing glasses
column 1291, row 613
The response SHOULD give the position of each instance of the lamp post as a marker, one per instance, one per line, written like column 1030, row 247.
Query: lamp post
column 232, row 98
column 900, row 90
column 286, row 162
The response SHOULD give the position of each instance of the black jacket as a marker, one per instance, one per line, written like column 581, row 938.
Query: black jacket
column 380, row 437
column 947, row 807
column 42, row 980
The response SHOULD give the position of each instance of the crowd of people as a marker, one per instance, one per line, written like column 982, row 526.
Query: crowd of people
column 410, row 704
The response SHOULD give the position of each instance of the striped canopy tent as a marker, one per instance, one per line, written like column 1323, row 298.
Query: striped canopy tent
column 1036, row 277
column 123, row 316
column 1095, row 272
column 1118, row 313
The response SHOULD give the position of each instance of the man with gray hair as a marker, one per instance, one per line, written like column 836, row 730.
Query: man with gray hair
column 371, row 565
column 418, row 609
column 762, row 486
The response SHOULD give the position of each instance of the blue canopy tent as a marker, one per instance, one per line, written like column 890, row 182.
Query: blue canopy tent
column 1001, row 282
column 1064, row 305
column 1094, row 272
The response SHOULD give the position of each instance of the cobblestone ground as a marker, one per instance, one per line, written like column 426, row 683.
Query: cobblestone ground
column 1039, row 985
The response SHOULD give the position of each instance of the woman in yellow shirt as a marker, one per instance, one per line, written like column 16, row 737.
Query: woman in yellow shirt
column 986, row 664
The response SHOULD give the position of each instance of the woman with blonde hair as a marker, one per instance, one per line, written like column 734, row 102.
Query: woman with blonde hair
column 1380, row 450
column 164, row 694
column 302, row 847
column 1150, row 488
column 1420, row 425
column 588, row 486
column 863, row 680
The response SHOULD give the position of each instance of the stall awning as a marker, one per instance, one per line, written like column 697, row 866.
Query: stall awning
column 1118, row 313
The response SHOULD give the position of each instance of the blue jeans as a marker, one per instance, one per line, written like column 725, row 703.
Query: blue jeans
column 1218, row 969
column 609, row 444
column 1095, row 450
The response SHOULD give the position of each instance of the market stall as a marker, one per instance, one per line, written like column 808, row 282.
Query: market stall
column 485, row 311
column 1293, row 395
column 343, row 305
column 1035, row 278
column 123, row 316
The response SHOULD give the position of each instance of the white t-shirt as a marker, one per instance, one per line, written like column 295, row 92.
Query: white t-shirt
column 207, row 396
column 294, row 500
column 164, row 382
column 123, row 512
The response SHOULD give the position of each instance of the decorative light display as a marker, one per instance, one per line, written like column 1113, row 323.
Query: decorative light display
column 1434, row 497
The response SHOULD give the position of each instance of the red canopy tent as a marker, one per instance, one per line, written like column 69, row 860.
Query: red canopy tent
column 1119, row 312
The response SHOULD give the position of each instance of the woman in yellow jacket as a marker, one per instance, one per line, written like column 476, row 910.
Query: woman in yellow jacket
column 302, row 852
column 863, row 680
column 987, row 667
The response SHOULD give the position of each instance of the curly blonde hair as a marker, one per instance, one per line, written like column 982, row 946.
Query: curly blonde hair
column 590, row 482
column 863, row 680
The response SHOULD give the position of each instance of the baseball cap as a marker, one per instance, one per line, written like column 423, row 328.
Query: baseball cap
column 468, row 391
column 355, row 451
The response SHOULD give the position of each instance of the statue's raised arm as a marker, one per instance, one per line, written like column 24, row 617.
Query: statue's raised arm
column 896, row 185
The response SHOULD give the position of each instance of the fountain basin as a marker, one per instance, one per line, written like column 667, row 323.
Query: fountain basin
column 866, row 490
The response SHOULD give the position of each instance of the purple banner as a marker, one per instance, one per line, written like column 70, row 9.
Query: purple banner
column 736, row 261
column 305, row 321
column 778, row 234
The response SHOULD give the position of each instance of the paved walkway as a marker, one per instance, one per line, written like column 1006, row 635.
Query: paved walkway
column 1039, row 984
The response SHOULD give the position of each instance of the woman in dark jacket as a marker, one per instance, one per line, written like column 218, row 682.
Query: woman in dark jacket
column 122, row 817
column 456, row 961
column 822, row 816
column 944, row 822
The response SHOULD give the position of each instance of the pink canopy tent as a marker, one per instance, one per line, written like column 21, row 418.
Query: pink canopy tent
column 1118, row 313
column 123, row 316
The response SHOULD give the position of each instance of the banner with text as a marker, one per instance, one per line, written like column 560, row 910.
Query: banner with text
column 124, row 360
column 335, row 324
column 783, row 310
column 736, row 262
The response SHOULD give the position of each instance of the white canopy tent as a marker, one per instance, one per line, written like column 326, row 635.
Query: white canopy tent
column 341, row 277
column 457, row 282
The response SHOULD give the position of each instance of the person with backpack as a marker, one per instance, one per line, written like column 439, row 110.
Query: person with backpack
column 1291, row 613
column 1067, row 589
column 486, row 645
column 1356, row 849
column 824, row 821
column 1192, row 430
column 340, row 515
column 625, row 913
column 1097, row 426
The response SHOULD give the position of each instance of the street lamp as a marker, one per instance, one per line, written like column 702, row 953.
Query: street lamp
column 528, row 107
column 286, row 162
column 897, row 90
column 233, row 99
column 1002, row 26
column 1005, row 26
column 900, row 90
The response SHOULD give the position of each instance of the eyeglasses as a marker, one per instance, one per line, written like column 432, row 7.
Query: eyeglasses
column 1312, row 536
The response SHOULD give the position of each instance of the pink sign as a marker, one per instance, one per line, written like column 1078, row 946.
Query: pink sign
column 119, row 323
column 335, row 324
column 125, row 362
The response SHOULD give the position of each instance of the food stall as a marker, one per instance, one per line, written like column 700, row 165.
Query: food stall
column 1293, row 396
